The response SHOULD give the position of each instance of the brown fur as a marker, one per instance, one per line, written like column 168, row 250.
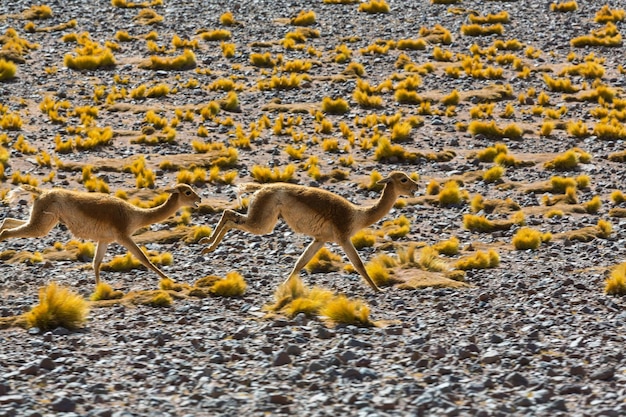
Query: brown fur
column 325, row 216
column 95, row 216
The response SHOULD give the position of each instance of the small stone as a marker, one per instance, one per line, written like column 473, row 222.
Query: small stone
column 241, row 333
column 30, row 369
column 47, row 364
column 352, row 373
column 322, row 332
column 63, row 405
column 293, row 350
column 603, row 374
column 394, row 330
column 282, row 358
column 516, row 380
column 60, row 331
column 577, row 370
column 4, row 388
column 280, row 399
column 558, row 404
column 315, row 366
column 100, row 412
column 11, row 399
column 491, row 356
column 570, row 389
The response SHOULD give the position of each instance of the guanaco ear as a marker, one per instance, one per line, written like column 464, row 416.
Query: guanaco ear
column 172, row 190
column 383, row 181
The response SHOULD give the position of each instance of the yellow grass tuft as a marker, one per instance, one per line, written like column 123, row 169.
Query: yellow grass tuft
column 104, row 291
column 264, row 174
column 618, row 197
column 451, row 194
column 7, row 70
column 304, row 18
column 528, row 238
column 363, row 238
column 493, row 174
column 343, row 310
column 337, row 106
column 58, row 307
column 568, row 160
column 593, row 206
column 374, row 7
column 233, row 285
column 167, row 284
column 616, row 283
column 480, row 260
column 161, row 299
column 448, row 247
column 567, row 6
column 323, row 261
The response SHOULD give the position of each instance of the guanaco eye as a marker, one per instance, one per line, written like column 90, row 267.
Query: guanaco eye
column 187, row 192
column 403, row 180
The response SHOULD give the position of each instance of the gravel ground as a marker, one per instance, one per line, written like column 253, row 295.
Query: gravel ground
column 536, row 336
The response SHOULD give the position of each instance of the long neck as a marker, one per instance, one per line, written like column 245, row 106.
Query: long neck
column 159, row 213
column 384, row 204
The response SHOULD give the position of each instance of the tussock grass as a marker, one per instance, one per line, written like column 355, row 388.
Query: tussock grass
column 341, row 309
column 58, row 307
column 480, row 260
column 528, row 238
column 104, row 291
column 482, row 224
column 323, row 261
column 616, row 283
column 233, row 285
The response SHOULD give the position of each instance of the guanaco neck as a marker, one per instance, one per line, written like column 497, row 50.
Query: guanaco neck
column 372, row 214
column 159, row 213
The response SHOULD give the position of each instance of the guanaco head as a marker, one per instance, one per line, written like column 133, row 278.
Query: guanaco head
column 186, row 195
column 402, row 183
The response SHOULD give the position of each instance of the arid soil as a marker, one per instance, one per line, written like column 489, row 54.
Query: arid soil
column 535, row 335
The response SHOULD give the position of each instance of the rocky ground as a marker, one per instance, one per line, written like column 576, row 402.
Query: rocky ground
column 535, row 336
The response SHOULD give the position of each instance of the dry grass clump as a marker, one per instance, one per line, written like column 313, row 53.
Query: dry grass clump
column 568, row 160
column 451, row 194
column 606, row 14
column 480, row 260
column 602, row 229
column 335, row 106
column 168, row 284
column 104, row 291
column 160, row 299
column 304, row 18
column 323, row 261
column 564, row 7
column 528, row 238
column 363, row 238
column 58, row 307
column 449, row 247
column 233, row 285
column 129, row 262
column 341, row 309
column 493, row 174
column 264, row 174
column 374, row 7
column 608, row 36
column 491, row 130
column 89, row 55
column 482, row 224
column 479, row 30
column 616, row 283
column 293, row 298
column 185, row 61
column 8, row 69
